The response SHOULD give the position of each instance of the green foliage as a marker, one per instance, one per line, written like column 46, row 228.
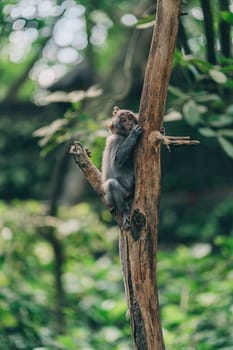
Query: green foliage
column 227, row 16
column 20, row 161
column 201, row 108
column 195, row 283
column 76, row 124
column 196, row 302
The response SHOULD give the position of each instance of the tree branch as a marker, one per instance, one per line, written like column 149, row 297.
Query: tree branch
column 93, row 175
column 82, row 158
column 156, row 138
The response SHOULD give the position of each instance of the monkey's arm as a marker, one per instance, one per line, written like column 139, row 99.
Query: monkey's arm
column 125, row 149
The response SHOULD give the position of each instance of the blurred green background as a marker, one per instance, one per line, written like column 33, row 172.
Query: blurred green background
column 64, row 65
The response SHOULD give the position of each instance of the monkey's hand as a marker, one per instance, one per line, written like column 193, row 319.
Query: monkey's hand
column 136, row 130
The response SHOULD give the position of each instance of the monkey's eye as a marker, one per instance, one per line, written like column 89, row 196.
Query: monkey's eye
column 123, row 120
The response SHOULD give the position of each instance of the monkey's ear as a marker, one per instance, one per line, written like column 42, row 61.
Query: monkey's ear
column 115, row 110
column 136, row 116
column 111, row 127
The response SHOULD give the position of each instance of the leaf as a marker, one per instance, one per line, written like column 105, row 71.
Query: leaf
column 226, row 145
column 202, row 65
column 229, row 110
column 218, row 76
column 172, row 116
column 46, row 133
column 51, row 128
column 207, row 132
column 208, row 98
column 226, row 132
column 94, row 91
column 61, row 96
column 73, row 96
column 146, row 22
column 176, row 92
column 222, row 120
column 191, row 113
column 227, row 16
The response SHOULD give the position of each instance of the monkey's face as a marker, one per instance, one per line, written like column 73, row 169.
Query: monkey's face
column 123, row 122
column 127, row 121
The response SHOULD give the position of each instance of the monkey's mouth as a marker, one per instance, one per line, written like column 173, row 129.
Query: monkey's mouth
column 128, row 126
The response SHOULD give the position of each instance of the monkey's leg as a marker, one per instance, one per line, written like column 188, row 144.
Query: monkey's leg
column 115, row 198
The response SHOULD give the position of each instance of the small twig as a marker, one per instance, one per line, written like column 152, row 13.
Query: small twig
column 155, row 138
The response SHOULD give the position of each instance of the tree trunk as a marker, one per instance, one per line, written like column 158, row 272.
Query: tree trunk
column 138, row 246
column 225, row 30
column 209, row 31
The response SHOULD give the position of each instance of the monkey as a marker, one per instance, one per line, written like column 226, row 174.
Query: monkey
column 118, row 180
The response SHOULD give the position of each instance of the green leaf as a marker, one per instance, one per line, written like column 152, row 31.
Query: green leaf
column 51, row 128
column 202, row 65
column 218, row 76
column 177, row 92
column 207, row 132
column 229, row 110
column 226, row 145
column 47, row 132
column 174, row 314
column 191, row 113
column 222, row 120
column 227, row 16
column 146, row 22
column 208, row 98
column 226, row 132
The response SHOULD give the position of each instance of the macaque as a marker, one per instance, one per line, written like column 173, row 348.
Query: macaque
column 118, row 180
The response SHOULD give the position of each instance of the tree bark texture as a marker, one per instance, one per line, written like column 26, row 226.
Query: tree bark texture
column 138, row 245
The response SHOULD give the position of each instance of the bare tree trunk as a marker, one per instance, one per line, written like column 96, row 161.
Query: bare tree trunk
column 138, row 246
column 183, row 40
column 225, row 30
column 209, row 31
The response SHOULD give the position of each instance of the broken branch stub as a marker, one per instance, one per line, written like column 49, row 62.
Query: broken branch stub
column 156, row 138
column 82, row 158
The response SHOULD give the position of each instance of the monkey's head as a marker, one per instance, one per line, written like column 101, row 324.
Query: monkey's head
column 122, row 121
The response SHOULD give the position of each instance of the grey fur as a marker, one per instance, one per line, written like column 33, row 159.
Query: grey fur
column 117, row 165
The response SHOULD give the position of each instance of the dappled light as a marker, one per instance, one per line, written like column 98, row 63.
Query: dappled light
column 64, row 65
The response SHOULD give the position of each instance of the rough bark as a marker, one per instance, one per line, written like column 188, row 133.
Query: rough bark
column 138, row 246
